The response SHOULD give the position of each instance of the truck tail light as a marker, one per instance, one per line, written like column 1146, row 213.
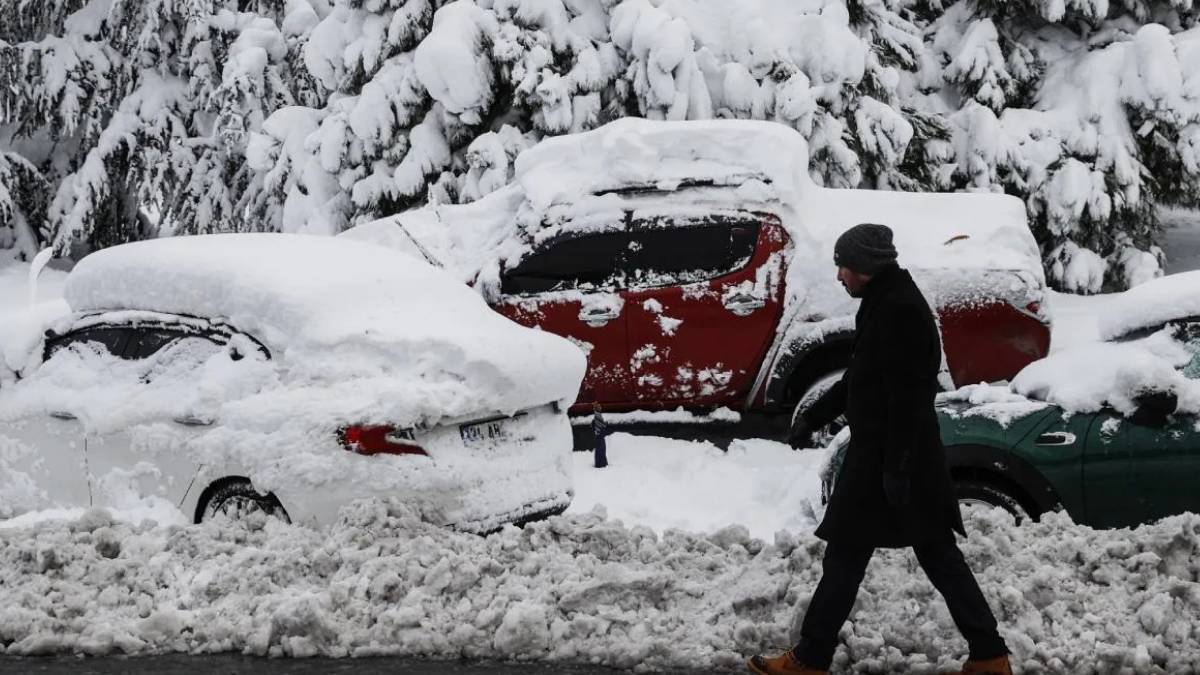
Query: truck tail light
column 1032, row 310
column 379, row 440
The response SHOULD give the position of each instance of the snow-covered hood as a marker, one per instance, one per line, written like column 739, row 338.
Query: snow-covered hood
column 332, row 309
column 1090, row 376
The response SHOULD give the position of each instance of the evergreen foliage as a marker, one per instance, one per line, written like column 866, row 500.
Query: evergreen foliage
column 121, row 120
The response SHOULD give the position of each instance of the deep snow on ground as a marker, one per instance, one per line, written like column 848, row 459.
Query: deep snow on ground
column 665, row 483
column 584, row 588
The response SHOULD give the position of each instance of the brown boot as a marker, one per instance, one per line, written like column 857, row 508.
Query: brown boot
column 784, row 664
column 996, row 666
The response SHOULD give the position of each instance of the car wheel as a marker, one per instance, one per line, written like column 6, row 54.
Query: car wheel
column 238, row 499
column 971, row 493
column 823, row 436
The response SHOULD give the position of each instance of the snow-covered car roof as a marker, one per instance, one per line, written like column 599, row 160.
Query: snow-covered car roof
column 1175, row 296
column 319, row 295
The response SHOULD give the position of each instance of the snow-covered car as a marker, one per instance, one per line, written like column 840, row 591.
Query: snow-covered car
column 287, row 373
column 1107, row 431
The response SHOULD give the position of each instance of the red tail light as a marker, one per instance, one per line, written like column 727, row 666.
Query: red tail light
column 1032, row 310
column 379, row 440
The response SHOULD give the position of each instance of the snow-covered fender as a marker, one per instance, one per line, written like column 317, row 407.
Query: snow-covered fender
column 804, row 353
column 1003, row 468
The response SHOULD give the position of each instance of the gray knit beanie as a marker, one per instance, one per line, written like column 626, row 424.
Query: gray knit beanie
column 865, row 248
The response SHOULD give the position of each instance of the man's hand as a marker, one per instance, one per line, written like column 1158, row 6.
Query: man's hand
column 896, row 488
column 801, row 435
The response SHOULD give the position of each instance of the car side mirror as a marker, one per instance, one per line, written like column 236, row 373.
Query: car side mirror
column 1154, row 408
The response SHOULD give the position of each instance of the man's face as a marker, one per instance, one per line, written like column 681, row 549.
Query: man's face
column 853, row 282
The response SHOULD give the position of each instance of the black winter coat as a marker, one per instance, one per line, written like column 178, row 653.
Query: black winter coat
column 888, row 395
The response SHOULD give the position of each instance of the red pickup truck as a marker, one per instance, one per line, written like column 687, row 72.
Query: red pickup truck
column 699, row 293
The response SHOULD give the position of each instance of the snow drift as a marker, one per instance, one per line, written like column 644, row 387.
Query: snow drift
column 586, row 589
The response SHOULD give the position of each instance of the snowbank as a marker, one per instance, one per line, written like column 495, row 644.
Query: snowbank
column 663, row 483
column 587, row 589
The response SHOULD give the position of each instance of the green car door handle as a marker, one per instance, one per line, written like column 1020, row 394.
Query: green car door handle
column 1057, row 438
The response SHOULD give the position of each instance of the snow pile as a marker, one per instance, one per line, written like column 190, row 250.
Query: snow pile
column 663, row 484
column 586, row 589
column 634, row 152
column 1087, row 377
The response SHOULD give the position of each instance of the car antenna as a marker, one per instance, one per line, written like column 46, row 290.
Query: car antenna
column 424, row 252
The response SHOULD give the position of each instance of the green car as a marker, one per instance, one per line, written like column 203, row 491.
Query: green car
column 1104, row 468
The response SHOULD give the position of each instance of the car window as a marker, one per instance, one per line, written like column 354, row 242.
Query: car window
column 146, row 341
column 181, row 357
column 111, row 338
column 664, row 253
column 588, row 261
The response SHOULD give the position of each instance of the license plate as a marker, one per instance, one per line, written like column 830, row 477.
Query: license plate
column 483, row 433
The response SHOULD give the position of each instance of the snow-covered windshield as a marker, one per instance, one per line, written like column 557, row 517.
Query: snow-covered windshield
column 192, row 374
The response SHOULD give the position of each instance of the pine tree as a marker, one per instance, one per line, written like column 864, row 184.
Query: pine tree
column 126, row 120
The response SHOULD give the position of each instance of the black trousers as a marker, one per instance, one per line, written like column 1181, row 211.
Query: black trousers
column 842, row 572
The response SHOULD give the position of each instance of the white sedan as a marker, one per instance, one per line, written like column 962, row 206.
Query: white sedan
column 290, row 374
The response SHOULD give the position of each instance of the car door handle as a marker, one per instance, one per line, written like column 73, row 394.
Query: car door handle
column 62, row 415
column 193, row 421
column 597, row 316
column 743, row 303
column 1057, row 438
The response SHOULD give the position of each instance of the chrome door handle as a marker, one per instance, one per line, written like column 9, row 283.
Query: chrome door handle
column 62, row 415
column 597, row 316
column 742, row 304
column 193, row 421
column 1056, row 438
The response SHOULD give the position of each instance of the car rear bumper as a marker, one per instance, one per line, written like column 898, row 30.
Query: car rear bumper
column 476, row 489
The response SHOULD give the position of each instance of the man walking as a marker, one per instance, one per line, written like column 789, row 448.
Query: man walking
column 894, row 490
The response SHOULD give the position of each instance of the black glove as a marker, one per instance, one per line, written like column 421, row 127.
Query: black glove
column 801, row 434
column 896, row 488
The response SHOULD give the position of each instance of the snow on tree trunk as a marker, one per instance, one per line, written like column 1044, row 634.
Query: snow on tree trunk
column 121, row 120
